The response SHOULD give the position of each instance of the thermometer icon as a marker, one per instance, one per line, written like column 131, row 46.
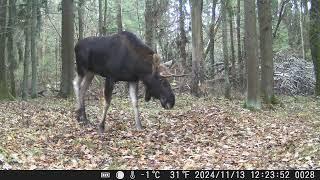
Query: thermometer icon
column 132, row 176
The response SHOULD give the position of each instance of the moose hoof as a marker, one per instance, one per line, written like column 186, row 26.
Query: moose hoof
column 83, row 119
column 139, row 128
column 101, row 128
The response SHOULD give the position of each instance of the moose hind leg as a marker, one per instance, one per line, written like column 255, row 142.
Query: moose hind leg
column 133, row 91
column 108, row 88
column 85, row 83
column 76, row 86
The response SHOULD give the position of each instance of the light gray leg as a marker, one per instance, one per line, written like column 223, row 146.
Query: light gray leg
column 85, row 83
column 133, row 91
column 76, row 86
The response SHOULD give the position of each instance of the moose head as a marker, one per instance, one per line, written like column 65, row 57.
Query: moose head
column 157, row 84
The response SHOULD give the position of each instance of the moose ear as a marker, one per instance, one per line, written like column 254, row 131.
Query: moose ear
column 147, row 96
column 155, row 63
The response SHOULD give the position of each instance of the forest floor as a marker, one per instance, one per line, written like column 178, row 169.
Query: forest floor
column 205, row 133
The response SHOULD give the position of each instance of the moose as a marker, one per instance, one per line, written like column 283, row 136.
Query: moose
column 120, row 57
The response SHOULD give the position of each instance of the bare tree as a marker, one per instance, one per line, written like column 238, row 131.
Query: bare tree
column 233, row 59
column 119, row 16
column 224, row 6
column 212, row 36
column 265, row 26
column 34, row 48
column 251, row 45
column 197, row 44
column 67, row 46
column 301, row 17
column 81, row 12
column 10, row 46
column 105, row 17
column 100, row 30
column 315, row 40
column 150, row 23
column 26, row 63
column 4, row 91
column 240, row 59
column 183, row 37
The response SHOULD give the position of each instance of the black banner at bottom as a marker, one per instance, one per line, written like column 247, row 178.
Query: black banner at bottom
column 158, row 174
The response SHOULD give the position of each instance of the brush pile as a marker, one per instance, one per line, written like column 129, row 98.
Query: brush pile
column 293, row 75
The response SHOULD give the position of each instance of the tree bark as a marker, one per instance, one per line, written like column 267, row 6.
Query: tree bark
column 81, row 12
column 183, row 37
column 240, row 59
column 265, row 27
column 233, row 59
column 26, row 63
column 251, row 45
column 105, row 18
column 291, row 20
column 315, row 41
column 281, row 14
column 119, row 16
column 197, row 46
column 11, row 57
column 150, row 22
column 100, row 18
column 67, row 46
column 212, row 34
column 296, row 22
column 4, row 91
column 34, row 49
column 227, row 87
column 302, row 32
column 306, row 26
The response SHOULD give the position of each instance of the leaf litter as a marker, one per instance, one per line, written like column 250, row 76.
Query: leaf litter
column 205, row 133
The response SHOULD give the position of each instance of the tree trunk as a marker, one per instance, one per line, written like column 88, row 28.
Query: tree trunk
column 240, row 60
column 26, row 63
column 183, row 37
column 212, row 33
column 150, row 23
column 25, row 84
column 302, row 32
column 197, row 46
column 4, row 91
column 10, row 49
column 137, row 3
column 119, row 16
column 227, row 87
column 20, row 55
column 296, row 23
column 281, row 16
column 251, row 45
column 292, row 22
column 233, row 59
column 100, row 17
column 67, row 44
column 105, row 17
column 315, row 41
column 288, row 20
column 306, row 26
column 20, row 52
column 81, row 12
column 34, row 49
column 265, row 27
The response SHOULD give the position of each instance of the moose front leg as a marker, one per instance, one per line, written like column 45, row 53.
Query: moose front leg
column 133, row 91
